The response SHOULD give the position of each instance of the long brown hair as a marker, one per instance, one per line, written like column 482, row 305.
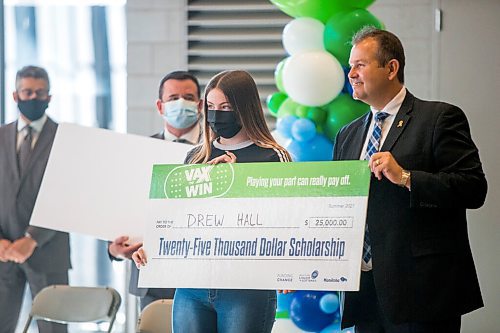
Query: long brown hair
column 241, row 92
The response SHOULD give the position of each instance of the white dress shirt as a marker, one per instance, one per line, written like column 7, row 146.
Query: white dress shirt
column 192, row 136
column 22, row 130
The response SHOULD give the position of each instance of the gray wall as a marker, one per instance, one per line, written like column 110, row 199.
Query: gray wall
column 413, row 22
column 158, row 44
column 469, row 76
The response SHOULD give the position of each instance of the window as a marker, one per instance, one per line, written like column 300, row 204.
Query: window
column 87, row 69
column 70, row 39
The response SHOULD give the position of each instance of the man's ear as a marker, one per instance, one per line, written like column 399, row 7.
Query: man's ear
column 159, row 107
column 200, row 106
column 15, row 96
column 393, row 66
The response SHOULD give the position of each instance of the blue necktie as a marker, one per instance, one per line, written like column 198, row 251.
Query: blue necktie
column 373, row 147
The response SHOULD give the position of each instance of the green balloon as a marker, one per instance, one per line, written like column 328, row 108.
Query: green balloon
column 314, row 113
column 278, row 75
column 274, row 102
column 287, row 108
column 317, row 115
column 319, row 9
column 301, row 111
column 341, row 111
column 341, row 27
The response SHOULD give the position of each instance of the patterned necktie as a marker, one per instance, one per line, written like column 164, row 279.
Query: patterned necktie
column 25, row 150
column 373, row 147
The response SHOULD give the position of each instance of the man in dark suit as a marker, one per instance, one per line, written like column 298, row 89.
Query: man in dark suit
column 179, row 105
column 418, row 273
column 27, row 254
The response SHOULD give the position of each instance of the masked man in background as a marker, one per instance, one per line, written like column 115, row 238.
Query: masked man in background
column 30, row 254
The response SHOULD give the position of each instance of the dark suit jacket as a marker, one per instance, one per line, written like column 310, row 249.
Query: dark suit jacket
column 17, row 199
column 422, row 263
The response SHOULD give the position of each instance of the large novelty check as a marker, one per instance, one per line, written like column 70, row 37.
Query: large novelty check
column 257, row 226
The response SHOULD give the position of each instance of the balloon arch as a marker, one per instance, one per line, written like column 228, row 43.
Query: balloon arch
column 312, row 103
column 314, row 96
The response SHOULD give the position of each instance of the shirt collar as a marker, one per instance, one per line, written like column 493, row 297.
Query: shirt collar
column 36, row 125
column 236, row 146
column 192, row 136
column 393, row 106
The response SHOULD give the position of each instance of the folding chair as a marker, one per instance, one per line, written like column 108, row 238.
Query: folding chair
column 156, row 317
column 68, row 304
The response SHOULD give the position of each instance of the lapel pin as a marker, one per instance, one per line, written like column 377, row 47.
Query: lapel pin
column 400, row 123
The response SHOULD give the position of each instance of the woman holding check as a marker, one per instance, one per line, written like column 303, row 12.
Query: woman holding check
column 235, row 131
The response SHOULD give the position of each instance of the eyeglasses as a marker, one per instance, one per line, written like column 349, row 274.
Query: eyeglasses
column 27, row 93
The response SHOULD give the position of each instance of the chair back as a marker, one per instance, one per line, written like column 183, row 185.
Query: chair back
column 68, row 304
column 156, row 317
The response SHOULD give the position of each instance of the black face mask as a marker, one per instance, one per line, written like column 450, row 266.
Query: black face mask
column 33, row 109
column 223, row 123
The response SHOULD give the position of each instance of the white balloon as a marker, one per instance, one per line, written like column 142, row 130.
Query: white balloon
column 302, row 35
column 313, row 78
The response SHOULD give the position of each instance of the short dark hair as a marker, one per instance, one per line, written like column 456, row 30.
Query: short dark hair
column 389, row 47
column 178, row 75
column 33, row 72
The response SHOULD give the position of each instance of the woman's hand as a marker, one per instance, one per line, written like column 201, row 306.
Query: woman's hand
column 228, row 157
column 139, row 257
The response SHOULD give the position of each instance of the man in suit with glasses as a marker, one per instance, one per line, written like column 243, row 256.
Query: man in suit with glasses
column 29, row 254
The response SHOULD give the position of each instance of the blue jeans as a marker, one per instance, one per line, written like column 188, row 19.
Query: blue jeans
column 224, row 311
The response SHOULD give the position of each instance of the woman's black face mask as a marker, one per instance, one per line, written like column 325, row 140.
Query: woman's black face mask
column 223, row 123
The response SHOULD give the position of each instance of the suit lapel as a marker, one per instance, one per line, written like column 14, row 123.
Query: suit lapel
column 358, row 139
column 402, row 119
column 11, row 148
